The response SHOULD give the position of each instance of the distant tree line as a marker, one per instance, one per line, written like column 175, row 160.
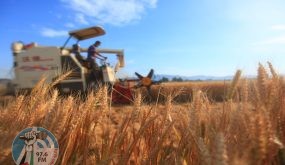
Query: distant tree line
column 174, row 79
column 179, row 79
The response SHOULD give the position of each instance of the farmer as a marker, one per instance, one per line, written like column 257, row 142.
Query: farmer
column 96, row 74
column 93, row 54
column 76, row 52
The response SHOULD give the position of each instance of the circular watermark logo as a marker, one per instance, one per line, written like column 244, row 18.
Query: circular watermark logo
column 33, row 146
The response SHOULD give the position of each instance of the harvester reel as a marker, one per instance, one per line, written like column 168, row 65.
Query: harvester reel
column 145, row 81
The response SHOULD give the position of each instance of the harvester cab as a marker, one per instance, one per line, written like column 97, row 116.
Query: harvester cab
column 32, row 62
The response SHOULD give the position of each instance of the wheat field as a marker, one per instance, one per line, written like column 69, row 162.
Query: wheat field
column 245, row 126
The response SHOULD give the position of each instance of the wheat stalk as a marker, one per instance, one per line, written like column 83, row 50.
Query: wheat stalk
column 220, row 157
column 234, row 85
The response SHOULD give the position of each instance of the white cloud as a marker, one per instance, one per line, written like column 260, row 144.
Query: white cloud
column 48, row 32
column 278, row 27
column 256, row 11
column 80, row 18
column 272, row 41
column 115, row 12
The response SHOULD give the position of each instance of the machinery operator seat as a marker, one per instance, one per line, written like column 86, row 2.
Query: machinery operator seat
column 76, row 52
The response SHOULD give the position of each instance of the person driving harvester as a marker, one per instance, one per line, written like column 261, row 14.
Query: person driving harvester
column 93, row 54
column 96, row 73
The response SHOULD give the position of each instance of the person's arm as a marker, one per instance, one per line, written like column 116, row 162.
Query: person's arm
column 103, row 57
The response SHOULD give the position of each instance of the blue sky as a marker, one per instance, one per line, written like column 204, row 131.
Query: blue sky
column 183, row 37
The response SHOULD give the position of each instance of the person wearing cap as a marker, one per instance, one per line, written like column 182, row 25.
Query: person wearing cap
column 93, row 54
column 76, row 51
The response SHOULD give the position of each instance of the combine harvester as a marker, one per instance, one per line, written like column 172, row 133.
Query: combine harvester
column 32, row 62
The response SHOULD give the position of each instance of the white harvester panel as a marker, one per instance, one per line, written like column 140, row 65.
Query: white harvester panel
column 109, row 74
column 36, row 63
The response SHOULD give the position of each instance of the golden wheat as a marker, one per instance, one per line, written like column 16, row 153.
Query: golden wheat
column 246, row 127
